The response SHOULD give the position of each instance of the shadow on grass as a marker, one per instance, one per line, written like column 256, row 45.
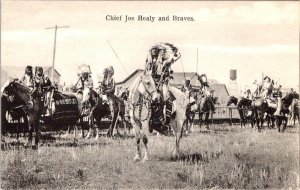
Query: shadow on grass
column 49, row 140
column 194, row 158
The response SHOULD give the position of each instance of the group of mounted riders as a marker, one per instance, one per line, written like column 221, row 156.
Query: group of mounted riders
column 268, row 99
column 159, row 60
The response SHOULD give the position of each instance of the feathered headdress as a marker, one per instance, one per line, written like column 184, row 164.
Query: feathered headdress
column 82, row 69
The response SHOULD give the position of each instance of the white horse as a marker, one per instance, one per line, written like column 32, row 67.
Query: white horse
column 141, row 94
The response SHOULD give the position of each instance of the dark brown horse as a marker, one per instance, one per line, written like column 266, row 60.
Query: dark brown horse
column 101, row 109
column 15, row 109
column 260, row 108
column 287, row 100
column 204, row 108
column 243, row 106
column 21, row 93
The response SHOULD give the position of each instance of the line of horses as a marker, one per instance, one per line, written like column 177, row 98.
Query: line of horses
column 256, row 111
column 140, row 97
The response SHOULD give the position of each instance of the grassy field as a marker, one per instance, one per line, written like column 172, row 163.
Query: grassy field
column 223, row 157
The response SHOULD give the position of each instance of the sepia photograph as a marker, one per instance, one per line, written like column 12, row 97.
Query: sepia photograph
column 150, row 95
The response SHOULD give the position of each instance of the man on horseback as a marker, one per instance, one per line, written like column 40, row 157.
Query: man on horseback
column 159, row 60
column 27, row 79
column 41, row 85
column 277, row 94
column 187, row 87
column 248, row 95
column 85, row 78
column 108, row 87
column 205, row 90
column 267, row 87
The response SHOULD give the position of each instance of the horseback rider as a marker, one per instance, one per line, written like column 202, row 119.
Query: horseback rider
column 41, row 86
column 108, row 87
column 187, row 87
column 248, row 95
column 267, row 87
column 159, row 60
column 205, row 90
column 277, row 94
column 27, row 79
column 85, row 78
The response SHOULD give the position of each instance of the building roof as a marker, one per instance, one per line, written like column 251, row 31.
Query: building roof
column 217, row 88
column 18, row 71
column 130, row 76
column 179, row 78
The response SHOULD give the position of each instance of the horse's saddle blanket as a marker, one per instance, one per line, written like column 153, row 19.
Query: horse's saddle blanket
column 64, row 107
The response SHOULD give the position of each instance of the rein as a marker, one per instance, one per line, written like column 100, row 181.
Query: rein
column 142, row 101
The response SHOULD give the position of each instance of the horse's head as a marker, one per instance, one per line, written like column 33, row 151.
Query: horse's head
column 147, row 86
column 9, row 89
column 231, row 100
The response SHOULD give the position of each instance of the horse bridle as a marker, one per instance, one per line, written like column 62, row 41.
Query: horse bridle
column 147, row 91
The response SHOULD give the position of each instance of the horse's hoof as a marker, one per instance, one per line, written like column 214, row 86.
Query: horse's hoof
column 34, row 147
column 137, row 158
column 175, row 154
column 146, row 159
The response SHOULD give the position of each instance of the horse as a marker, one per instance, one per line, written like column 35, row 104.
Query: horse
column 191, row 109
column 287, row 101
column 244, row 107
column 204, row 109
column 21, row 93
column 142, row 94
column 123, row 96
column 15, row 109
column 260, row 107
column 102, row 109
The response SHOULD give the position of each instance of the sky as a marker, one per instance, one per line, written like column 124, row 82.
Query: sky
column 252, row 37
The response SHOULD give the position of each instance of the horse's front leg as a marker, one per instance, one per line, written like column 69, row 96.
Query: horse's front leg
column 37, row 130
column 207, row 120
column 178, row 135
column 31, row 129
column 200, row 119
column 285, row 124
column 90, row 123
column 137, row 131
column 112, row 125
column 145, row 131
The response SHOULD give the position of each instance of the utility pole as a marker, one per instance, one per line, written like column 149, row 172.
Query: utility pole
column 53, row 61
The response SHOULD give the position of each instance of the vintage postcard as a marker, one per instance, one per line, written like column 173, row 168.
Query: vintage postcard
column 149, row 95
